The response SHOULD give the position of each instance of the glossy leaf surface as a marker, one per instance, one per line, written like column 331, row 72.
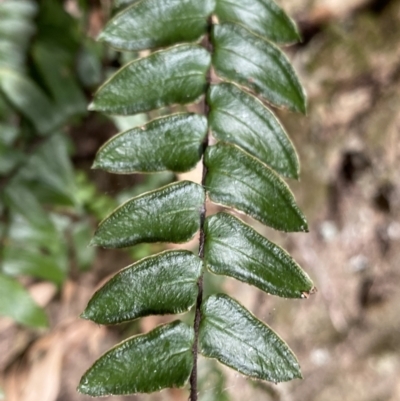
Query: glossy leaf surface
column 175, row 75
column 158, row 23
column 158, row 285
column 240, row 118
column 236, row 338
column 169, row 214
column 143, row 364
column 257, row 64
column 168, row 143
column 237, row 179
column 264, row 17
column 16, row 303
column 235, row 249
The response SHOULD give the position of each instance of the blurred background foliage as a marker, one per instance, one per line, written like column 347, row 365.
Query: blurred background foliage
column 347, row 336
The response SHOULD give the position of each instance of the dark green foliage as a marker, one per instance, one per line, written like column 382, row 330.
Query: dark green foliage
column 242, row 171
column 244, row 58
column 128, row 295
column 181, row 78
column 143, row 364
column 156, row 23
column 255, row 128
column 236, row 179
column 176, row 211
column 169, row 143
column 235, row 249
column 233, row 336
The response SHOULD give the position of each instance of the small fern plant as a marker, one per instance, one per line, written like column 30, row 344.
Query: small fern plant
column 220, row 53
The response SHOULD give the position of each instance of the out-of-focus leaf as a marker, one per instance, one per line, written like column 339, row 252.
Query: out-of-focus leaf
column 237, row 179
column 81, row 235
column 143, row 364
column 30, row 100
column 8, row 134
column 10, row 156
column 242, row 119
column 257, row 64
column 158, row 23
column 20, row 199
column 24, row 259
column 18, row 9
column 49, row 173
column 264, row 17
column 52, row 20
column 158, row 285
column 169, row 214
column 16, row 303
column 168, row 143
column 233, row 336
column 235, row 249
column 89, row 68
column 36, row 248
column 16, row 30
column 175, row 75
column 56, row 71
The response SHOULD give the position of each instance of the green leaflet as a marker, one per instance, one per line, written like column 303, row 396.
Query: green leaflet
column 264, row 17
column 233, row 336
column 175, row 75
column 240, row 118
column 235, row 249
column 148, row 24
column 169, row 214
column 257, row 64
column 143, row 364
column 236, row 179
column 16, row 303
column 168, row 143
column 158, row 285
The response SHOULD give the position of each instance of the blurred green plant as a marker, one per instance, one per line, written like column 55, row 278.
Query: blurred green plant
column 43, row 206
column 241, row 171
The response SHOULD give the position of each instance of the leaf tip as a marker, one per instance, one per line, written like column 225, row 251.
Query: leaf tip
column 96, row 164
column 93, row 242
column 84, row 315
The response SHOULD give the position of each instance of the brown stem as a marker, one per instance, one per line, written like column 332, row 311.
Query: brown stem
column 197, row 318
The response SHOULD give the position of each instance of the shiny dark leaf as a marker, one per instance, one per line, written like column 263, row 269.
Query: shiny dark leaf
column 158, row 285
column 257, row 64
column 169, row 214
column 168, row 143
column 263, row 17
column 233, row 336
column 143, row 364
column 235, row 249
column 240, row 118
column 175, row 75
column 158, row 23
column 237, row 179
